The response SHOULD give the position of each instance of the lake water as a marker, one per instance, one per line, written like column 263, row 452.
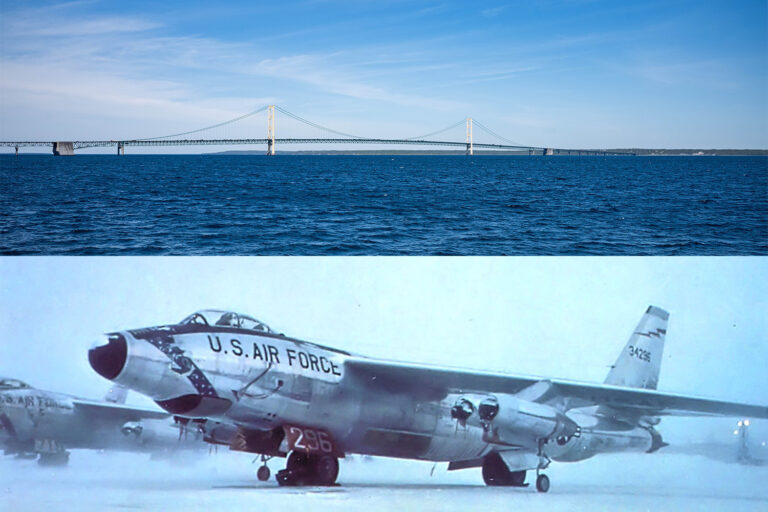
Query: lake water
column 405, row 205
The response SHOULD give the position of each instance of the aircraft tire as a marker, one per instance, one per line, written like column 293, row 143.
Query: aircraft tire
column 325, row 470
column 297, row 461
column 495, row 471
column 517, row 478
column 263, row 473
column 542, row 483
column 53, row 459
column 284, row 478
column 305, row 469
column 299, row 469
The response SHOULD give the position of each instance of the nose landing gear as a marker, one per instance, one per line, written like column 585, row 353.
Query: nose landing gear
column 309, row 469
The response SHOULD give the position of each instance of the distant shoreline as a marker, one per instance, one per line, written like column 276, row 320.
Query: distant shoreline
column 638, row 152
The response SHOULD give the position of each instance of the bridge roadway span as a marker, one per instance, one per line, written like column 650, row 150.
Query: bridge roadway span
column 208, row 142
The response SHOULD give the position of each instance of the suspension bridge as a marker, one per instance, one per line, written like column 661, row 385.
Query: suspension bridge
column 194, row 138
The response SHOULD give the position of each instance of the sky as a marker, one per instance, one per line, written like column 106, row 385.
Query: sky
column 564, row 317
column 555, row 73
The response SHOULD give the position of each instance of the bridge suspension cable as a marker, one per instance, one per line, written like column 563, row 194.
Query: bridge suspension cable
column 494, row 134
column 421, row 137
column 217, row 125
column 315, row 125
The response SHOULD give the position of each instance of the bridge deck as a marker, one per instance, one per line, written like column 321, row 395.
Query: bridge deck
column 82, row 144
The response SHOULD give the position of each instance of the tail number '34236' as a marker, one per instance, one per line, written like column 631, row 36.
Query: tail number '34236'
column 639, row 353
column 309, row 440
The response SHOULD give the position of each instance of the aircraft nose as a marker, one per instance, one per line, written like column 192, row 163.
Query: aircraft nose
column 108, row 356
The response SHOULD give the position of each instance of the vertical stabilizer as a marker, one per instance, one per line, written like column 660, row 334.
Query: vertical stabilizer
column 639, row 363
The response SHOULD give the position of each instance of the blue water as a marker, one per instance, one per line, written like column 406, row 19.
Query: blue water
column 344, row 205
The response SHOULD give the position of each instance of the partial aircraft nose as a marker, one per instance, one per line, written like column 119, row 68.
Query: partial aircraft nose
column 108, row 356
column 161, row 370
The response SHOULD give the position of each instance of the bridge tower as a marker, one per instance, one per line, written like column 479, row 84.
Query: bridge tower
column 470, row 149
column 271, row 130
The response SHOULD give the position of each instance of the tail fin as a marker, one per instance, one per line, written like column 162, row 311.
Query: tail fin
column 639, row 363
column 116, row 394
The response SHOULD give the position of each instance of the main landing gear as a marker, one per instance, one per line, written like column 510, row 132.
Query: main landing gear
column 52, row 453
column 496, row 473
column 54, row 459
column 309, row 469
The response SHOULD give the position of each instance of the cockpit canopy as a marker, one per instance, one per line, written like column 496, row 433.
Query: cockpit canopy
column 12, row 384
column 215, row 317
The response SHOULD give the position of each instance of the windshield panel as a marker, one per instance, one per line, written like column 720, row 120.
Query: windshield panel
column 215, row 317
column 13, row 384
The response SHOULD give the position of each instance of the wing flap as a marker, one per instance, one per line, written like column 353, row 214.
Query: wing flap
column 429, row 381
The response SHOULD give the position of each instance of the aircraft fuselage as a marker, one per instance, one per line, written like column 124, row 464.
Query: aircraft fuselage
column 265, row 381
column 34, row 421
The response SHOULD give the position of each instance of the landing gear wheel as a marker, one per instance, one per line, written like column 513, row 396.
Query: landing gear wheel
column 296, row 461
column 263, row 473
column 54, row 459
column 517, row 478
column 283, row 478
column 495, row 471
column 298, row 469
column 326, row 469
column 304, row 469
column 542, row 483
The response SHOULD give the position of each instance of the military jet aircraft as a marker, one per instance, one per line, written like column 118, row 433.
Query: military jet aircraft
column 41, row 423
column 314, row 404
column 752, row 446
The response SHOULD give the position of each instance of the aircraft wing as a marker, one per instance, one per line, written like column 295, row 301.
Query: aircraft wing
column 435, row 381
column 117, row 411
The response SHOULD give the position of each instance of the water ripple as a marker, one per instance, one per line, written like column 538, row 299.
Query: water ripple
column 409, row 205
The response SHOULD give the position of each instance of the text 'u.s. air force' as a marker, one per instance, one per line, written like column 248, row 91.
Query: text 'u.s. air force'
column 275, row 355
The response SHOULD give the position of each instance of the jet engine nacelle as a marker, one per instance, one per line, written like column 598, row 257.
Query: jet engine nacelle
column 511, row 421
column 132, row 428
column 592, row 442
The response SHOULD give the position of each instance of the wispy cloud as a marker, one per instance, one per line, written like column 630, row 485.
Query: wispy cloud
column 323, row 72
column 660, row 69
column 82, row 28
column 492, row 11
column 108, row 60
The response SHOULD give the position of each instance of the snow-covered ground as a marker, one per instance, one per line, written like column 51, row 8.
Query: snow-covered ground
column 226, row 481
